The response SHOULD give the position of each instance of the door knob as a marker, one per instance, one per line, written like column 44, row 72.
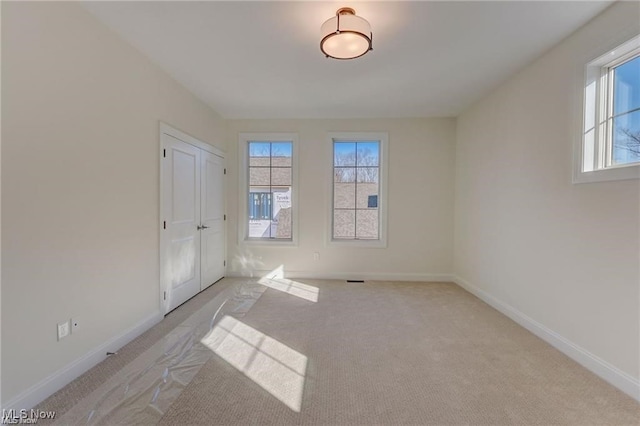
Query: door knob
column 204, row 227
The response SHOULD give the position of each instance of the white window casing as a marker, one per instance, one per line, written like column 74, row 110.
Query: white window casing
column 243, row 181
column 382, row 199
column 592, row 160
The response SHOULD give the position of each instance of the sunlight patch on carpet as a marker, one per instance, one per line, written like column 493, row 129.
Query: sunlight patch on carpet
column 276, row 281
column 275, row 367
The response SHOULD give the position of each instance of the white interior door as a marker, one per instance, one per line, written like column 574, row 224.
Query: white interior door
column 181, row 214
column 212, row 219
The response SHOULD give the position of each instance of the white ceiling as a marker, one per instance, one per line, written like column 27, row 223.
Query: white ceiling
column 262, row 59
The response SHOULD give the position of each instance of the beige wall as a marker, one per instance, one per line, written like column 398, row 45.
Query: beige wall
column 563, row 254
column 421, row 155
column 80, row 184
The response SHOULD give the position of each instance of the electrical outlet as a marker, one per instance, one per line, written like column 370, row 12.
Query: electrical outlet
column 75, row 325
column 63, row 330
column 316, row 256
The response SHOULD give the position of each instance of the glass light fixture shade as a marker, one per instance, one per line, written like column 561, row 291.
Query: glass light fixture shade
column 345, row 36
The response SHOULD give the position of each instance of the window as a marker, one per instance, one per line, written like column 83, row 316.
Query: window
column 358, row 195
column 610, row 145
column 624, row 114
column 268, row 181
column 259, row 206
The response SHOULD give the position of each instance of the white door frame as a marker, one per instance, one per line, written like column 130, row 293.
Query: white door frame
column 212, row 219
column 178, row 134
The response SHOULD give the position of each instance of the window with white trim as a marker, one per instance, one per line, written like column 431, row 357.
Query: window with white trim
column 268, row 183
column 358, row 207
column 611, row 125
column 623, row 113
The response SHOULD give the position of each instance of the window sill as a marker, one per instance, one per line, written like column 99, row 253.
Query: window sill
column 607, row 175
column 379, row 244
column 270, row 243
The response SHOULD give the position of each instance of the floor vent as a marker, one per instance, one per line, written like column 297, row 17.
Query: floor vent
column 355, row 281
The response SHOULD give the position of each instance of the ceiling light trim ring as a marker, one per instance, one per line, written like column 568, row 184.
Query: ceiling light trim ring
column 328, row 36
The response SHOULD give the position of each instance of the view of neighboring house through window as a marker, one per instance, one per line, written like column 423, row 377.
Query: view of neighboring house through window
column 624, row 111
column 356, row 190
column 269, row 195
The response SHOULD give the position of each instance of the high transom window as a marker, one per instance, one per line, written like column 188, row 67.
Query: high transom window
column 610, row 145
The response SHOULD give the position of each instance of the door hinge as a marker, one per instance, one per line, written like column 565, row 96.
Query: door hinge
column 225, row 217
column 165, row 295
column 225, row 171
column 224, row 263
column 164, row 224
column 164, row 153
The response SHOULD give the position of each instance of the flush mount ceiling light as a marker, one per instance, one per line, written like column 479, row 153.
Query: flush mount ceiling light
column 346, row 36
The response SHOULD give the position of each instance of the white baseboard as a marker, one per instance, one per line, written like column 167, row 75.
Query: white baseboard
column 56, row 381
column 330, row 275
column 598, row 366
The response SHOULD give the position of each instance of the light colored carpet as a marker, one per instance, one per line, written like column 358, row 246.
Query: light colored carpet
column 403, row 353
column 374, row 353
